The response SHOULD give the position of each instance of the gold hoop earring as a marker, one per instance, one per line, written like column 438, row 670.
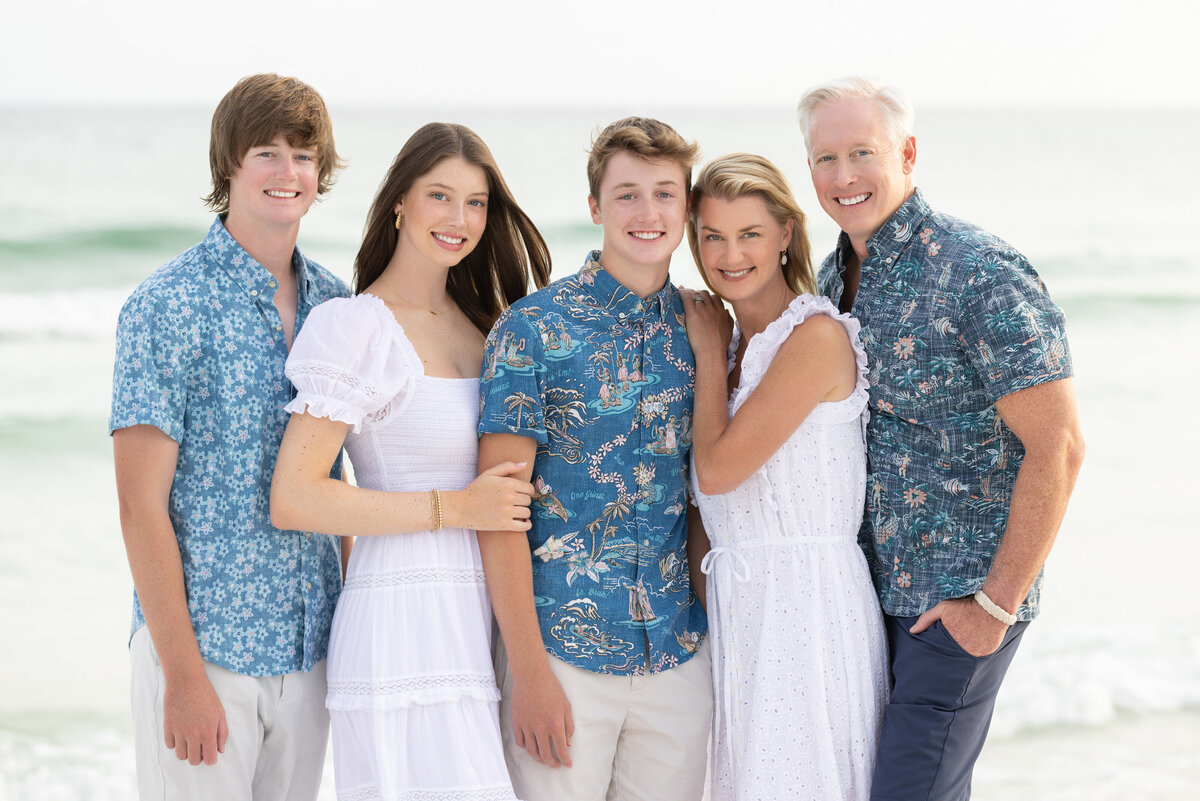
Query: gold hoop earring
column 399, row 215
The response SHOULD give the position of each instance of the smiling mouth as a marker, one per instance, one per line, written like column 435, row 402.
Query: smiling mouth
column 278, row 193
column 853, row 201
column 735, row 274
column 449, row 240
column 647, row 236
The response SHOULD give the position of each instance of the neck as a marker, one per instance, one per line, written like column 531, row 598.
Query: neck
column 424, row 287
column 643, row 280
column 755, row 314
column 270, row 247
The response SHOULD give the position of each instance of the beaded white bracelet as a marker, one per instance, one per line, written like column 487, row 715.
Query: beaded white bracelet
column 994, row 609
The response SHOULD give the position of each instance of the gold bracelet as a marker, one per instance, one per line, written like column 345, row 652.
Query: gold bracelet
column 435, row 500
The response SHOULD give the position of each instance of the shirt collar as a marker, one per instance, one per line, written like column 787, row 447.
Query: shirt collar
column 618, row 299
column 254, row 279
column 892, row 237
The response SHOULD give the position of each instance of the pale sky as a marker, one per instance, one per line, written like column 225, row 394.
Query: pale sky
column 540, row 52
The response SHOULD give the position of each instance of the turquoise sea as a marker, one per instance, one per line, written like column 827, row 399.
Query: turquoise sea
column 1103, row 702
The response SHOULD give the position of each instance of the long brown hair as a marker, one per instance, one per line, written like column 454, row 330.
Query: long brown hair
column 497, row 271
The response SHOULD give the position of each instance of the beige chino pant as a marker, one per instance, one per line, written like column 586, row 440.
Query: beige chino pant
column 637, row 738
column 278, row 729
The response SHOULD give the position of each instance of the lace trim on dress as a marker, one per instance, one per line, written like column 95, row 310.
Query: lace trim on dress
column 420, row 575
column 762, row 348
column 498, row 793
column 410, row 684
column 333, row 409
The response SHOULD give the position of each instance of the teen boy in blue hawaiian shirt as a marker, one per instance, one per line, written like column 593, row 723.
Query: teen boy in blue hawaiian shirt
column 973, row 444
column 606, row 687
column 231, row 615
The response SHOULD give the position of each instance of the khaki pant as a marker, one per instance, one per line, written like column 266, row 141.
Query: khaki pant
column 637, row 738
column 278, row 729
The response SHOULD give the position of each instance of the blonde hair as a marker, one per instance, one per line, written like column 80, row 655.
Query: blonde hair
column 738, row 175
column 645, row 138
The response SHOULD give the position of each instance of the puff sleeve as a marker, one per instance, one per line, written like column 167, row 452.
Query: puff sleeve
column 352, row 363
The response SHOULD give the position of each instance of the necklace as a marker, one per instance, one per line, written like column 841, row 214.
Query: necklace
column 392, row 289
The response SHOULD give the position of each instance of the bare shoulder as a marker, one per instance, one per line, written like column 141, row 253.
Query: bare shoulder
column 819, row 335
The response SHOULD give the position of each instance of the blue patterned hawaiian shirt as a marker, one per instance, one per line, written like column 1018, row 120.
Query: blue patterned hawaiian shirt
column 200, row 355
column 952, row 319
column 603, row 380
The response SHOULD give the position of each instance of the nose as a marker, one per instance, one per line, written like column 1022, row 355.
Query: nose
column 457, row 214
column 845, row 173
column 287, row 166
column 645, row 209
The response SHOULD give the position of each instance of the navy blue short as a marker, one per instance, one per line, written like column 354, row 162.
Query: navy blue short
column 938, row 714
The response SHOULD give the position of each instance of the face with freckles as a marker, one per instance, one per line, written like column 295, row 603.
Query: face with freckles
column 273, row 187
column 860, row 175
column 643, row 208
column 740, row 243
column 444, row 214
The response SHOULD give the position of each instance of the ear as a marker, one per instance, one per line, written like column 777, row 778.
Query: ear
column 909, row 155
column 399, row 207
column 788, row 227
column 594, row 207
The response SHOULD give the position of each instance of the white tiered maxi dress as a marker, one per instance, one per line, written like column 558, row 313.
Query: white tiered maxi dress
column 412, row 692
column 798, row 646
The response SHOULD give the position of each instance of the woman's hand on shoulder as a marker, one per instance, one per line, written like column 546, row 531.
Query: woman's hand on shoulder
column 709, row 325
column 495, row 501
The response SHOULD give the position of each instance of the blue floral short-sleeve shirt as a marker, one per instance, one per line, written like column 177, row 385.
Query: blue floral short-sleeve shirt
column 953, row 318
column 602, row 379
column 200, row 355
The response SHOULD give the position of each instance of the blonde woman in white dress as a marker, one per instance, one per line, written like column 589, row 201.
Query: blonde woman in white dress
column 779, row 473
column 392, row 375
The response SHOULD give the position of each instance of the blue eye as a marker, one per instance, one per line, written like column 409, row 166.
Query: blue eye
column 751, row 234
column 478, row 203
column 625, row 197
column 713, row 238
column 438, row 195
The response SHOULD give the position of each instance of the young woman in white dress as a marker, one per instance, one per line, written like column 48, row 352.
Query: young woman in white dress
column 779, row 473
column 392, row 375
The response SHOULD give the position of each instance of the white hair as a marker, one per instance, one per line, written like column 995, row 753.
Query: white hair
column 893, row 105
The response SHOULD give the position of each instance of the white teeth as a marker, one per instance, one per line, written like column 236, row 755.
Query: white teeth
column 647, row 235
column 737, row 274
column 853, row 201
column 276, row 193
column 449, row 240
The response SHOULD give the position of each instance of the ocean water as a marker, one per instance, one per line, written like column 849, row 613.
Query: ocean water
column 1103, row 701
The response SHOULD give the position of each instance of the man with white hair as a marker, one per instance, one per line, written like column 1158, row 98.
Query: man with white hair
column 973, row 444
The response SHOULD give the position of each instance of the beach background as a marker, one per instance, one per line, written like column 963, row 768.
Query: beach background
column 1090, row 170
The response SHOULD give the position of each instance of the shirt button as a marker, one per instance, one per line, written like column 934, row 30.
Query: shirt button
column 308, row 585
column 279, row 328
column 254, row 293
column 308, row 535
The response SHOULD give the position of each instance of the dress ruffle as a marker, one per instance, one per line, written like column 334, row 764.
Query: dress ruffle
column 351, row 362
column 761, row 350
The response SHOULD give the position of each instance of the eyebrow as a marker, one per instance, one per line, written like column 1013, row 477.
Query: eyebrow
column 631, row 185
column 740, row 231
column 437, row 185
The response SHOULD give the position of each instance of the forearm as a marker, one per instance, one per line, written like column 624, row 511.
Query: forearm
column 1039, row 501
column 330, row 506
column 509, row 570
column 508, row 564
column 710, row 414
column 157, row 571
